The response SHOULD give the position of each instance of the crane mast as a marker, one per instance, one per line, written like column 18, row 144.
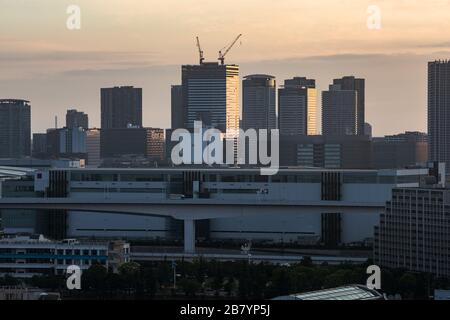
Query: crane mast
column 200, row 51
column 222, row 55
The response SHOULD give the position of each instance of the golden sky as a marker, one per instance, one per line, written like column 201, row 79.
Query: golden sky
column 130, row 34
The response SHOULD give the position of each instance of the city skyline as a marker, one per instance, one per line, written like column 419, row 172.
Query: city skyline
column 56, row 68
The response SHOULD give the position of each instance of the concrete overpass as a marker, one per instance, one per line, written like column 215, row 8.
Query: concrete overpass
column 189, row 210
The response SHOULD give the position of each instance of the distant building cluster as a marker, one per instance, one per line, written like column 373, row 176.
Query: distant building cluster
column 343, row 162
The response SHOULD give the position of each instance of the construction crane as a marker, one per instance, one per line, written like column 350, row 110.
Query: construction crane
column 222, row 55
column 200, row 51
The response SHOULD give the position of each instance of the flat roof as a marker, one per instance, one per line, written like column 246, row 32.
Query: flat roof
column 350, row 292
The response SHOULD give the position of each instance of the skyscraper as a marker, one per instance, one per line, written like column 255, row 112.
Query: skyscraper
column 339, row 111
column 76, row 119
column 211, row 94
column 439, row 111
column 121, row 107
column 297, row 103
column 358, row 85
column 258, row 107
column 177, row 110
column 15, row 128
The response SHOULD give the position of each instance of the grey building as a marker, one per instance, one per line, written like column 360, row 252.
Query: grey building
column 121, row 107
column 15, row 128
column 358, row 85
column 77, row 119
column 143, row 142
column 177, row 109
column 297, row 107
column 66, row 143
column 211, row 95
column 439, row 110
column 400, row 151
column 414, row 231
column 259, row 102
column 345, row 152
column 339, row 111
column 39, row 145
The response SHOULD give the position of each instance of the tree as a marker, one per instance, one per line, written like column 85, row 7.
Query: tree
column 94, row 278
column 190, row 287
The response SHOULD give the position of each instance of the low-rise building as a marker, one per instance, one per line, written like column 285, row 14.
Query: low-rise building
column 28, row 255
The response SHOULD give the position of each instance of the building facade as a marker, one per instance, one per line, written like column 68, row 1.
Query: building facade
column 400, row 151
column 25, row 256
column 414, row 231
column 144, row 142
column 359, row 85
column 297, row 107
column 15, row 128
column 264, row 196
column 93, row 147
column 259, row 102
column 177, row 111
column 339, row 111
column 211, row 95
column 77, row 119
column 121, row 107
column 439, row 110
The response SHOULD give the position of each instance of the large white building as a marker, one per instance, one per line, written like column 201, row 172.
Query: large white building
column 297, row 205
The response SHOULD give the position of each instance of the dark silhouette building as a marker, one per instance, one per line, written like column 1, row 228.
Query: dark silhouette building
column 77, row 119
column 121, row 107
column 439, row 111
column 259, row 102
column 15, row 128
column 297, row 104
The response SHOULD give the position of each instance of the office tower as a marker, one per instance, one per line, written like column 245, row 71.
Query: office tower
column 39, row 145
column 358, row 85
column 339, row 112
column 400, row 151
column 439, row 110
column 121, row 107
column 66, row 143
column 76, row 119
column 143, row 142
column 177, row 110
column 15, row 128
column 93, row 147
column 258, row 107
column 297, row 104
column 211, row 95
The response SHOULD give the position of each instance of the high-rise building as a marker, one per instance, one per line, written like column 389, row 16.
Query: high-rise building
column 339, row 112
column 76, row 119
column 414, row 231
column 211, row 95
column 259, row 104
column 358, row 85
column 297, row 104
column 177, row 109
column 15, row 128
column 439, row 111
column 121, row 107
column 93, row 147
